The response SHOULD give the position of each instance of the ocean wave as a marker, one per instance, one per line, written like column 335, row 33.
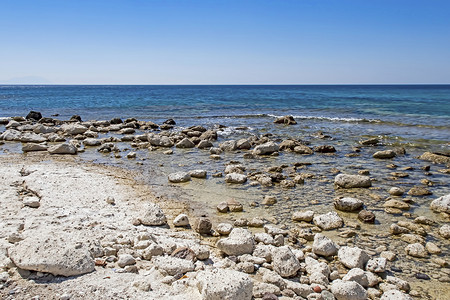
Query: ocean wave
column 338, row 119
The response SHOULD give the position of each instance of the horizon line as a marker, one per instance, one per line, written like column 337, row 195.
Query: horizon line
column 209, row 84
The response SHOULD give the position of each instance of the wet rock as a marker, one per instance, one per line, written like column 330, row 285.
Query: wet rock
column 328, row 221
column 424, row 220
column 352, row 181
column 386, row 154
column 286, row 120
column 324, row 149
column 181, row 220
column 348, row 290
column 395, row 295
column 284, row 262
column 224, row 284
column 235, row 178
column 131, row 155
column 154, row 216
column 324, row 246
column 269, row 200
column 198, row 173
column 432, row 248
column 34, row 115
column 302, row 149
column 353, row 257
column 444, row 231
column 203, row 225
column 348, row 204
column 234, row 206
column 204, row 144
column 435, row 157
column 395, row 229
column 422, row 276
column 419, row 191
column 31, row 147
column 243, row 144
column 185, row 143
column 366, row 216
column 370, row 142
column 441, row 204
column 239, row 242
column 266, row 149
column 376, row 265
column 396, row 204
column 416, row 250
column 62, row 149
column 179, row 177
column 396, row 191
column 57, row 255
column 173, row 265
column 306, row 216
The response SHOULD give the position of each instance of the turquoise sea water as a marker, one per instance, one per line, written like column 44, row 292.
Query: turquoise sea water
column 405, row 112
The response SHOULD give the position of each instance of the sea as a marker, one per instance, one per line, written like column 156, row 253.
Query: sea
column 414, row 114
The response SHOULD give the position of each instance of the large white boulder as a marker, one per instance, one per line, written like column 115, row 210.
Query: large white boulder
column 284, row 262
column 348, row 290
column 441, row 204
column 154, row 216
column 324, row 246
column 353, row 257
column 240, row 241
column 52, row 254
column 328, row 221
column 223, row 284
column 266, row 148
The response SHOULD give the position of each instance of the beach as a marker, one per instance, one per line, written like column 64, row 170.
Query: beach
column 299, row 209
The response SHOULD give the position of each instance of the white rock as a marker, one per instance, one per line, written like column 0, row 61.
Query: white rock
column 179, row 177
column 314, row 266
column 29, row 147
column 305, row 216
column 33, row 202
column 261, row 288
column 352, row 181
column 328, row 221
column 154, row 216
column 224, row 284
column 395, row 295
column 284, row 262
column 377, row 265
column 74, row 129
column 92, row 142
column 444, row 231
column 441, row 204
column 348, row 290
column 181, row 220
column 62, row 149
column 29, row 137
column 52, row 254
column 173, row 265
column 267, row 148
column 11, row 135
column 416, row 250
column 126, row 260
column 302, row 290
column 353, row 257
column 324, row 246
column 400, row 283
column 198, row 173
column 358, row 275
column 224, row 228
column 265, row 238
column 235, row 178
column 240, row 241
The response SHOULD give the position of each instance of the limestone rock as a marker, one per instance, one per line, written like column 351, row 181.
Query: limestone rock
column 386, row 154
column 324, row 246
column 348, row 290
column 52, row 254
column 62, row 149
column 328, row 221
column 352, row 181
column 173, row 265
column 395, row 295
column 11, row 135
column 31, row 202
column 198, row 173
column 239, row 242
column 185, row 143
column 306, row 216
column 266, row 149
column 224, row 284
column 203, row 225
column 366, row 216
column 376, row 265
column 435, row 157
column 353, row 257
column 441, row 204
column 181, row 220
column 235, row 178
column 126, row 260
column 419, row 191
column 29, row 147
column 224, row 228
column 416, row 250
column 74, row 129
column 91, row 142
column 284, row 262
column 396, row 191
column 154, row 216
column 302, row 149
column 32, row 138
column 348, row 204
column 358, row 275
column 444, row 231
column 179, row 177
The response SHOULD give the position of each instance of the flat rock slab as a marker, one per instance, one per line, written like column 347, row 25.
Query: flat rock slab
column 50, row 254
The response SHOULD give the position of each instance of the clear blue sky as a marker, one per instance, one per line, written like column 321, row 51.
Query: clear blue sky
column 224, row 42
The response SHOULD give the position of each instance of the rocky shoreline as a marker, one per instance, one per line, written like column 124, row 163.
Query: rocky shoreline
column 71, row 227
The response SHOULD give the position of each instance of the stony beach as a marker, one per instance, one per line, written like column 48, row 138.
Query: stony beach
column 131, row 209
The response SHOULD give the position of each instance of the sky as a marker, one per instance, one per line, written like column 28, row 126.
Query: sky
column 225, row 42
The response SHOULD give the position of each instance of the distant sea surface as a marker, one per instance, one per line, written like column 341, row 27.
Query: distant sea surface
column 402, row 112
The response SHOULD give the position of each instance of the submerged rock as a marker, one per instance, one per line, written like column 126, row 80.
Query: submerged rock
column 437, row 158
column 352, row 181
column 348, row 204
column 386, row 154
